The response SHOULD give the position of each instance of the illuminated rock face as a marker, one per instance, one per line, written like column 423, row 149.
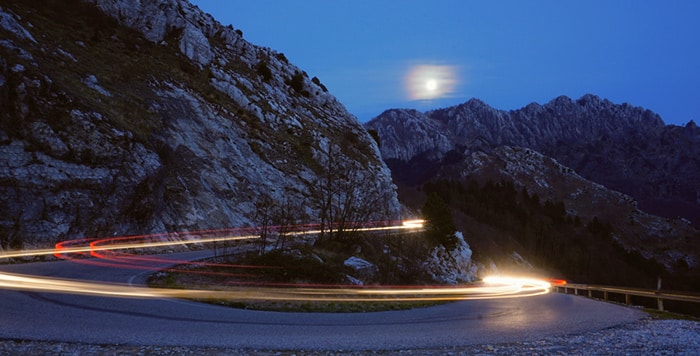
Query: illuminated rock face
column 131, row 117
column 452, row 266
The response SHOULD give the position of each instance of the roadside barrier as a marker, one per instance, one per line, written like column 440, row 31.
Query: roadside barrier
column 605, row 291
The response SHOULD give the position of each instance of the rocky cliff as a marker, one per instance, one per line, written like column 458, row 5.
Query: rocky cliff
column 130, row 117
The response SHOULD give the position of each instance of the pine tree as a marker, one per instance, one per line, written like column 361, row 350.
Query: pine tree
column 440, row 225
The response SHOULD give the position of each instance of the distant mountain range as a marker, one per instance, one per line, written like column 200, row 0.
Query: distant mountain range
column 623, row 147
column 593, row 160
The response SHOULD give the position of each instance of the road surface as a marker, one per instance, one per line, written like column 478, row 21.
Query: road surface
column 100, row 320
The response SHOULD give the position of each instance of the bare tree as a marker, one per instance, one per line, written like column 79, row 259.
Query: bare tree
column 286, row 215
column 264, row 214
column 10, row 238
column 323, row 191
column 347, row 194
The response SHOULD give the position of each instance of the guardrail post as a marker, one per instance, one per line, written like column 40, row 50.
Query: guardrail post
column 628, row 299
column 659, row 301
column 590, row 293
column 605, row 295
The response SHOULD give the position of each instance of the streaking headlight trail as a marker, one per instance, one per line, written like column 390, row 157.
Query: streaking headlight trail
column 415, row 224
column 108, row 252
column 507, row 288
column 90, row 246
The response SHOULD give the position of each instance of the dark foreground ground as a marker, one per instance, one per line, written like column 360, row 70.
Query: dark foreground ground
column 648, row 337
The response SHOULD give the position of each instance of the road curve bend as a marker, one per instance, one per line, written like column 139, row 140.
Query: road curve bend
column 167, row 322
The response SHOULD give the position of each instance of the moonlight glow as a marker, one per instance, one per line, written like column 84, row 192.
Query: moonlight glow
column 427, row 82
column 431, row 85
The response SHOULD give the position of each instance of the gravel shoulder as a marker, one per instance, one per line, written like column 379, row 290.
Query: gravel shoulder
column 648, row 336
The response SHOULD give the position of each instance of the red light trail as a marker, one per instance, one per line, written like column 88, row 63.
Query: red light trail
column 110, row 252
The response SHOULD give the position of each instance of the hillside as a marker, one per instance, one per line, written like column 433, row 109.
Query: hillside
column 122, row 117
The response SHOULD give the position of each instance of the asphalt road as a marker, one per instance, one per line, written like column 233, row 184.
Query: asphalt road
column 100, row 320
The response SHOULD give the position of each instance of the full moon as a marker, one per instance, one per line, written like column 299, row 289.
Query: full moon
column 430, row 81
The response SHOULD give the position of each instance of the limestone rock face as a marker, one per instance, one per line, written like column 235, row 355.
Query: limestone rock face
column 409, row 133
column 362, row 269
column 133, row 117
column 452, row 266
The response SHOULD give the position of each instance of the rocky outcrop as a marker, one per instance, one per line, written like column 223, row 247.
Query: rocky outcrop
column 363, row 270
column 408, row 133
column 157, row 19
column 131, row 117
column 451, row 266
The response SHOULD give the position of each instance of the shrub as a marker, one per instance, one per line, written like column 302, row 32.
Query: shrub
column 289, row 268
column 264, row 71
column 297, row 83
column 282, row 58
column 375, row 136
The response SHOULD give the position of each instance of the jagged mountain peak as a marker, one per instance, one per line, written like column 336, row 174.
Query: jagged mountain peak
column 476, row 104
column 468, row 108
column 592, row 100
column 565, row 101
column 402, row 124
column 391, row 114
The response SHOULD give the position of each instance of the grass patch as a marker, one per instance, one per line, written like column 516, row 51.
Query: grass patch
column 656, row 314
column 298, row 267
column 325, row 307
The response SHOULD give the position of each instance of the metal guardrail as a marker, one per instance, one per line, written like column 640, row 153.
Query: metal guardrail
column 659, row 295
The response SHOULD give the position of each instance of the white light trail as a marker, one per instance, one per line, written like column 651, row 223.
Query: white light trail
column 489, row 290
column 196, row 238
column 492, row 287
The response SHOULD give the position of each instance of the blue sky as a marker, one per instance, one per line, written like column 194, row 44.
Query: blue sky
column 370, row 53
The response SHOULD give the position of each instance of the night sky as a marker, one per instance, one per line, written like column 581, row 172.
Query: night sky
column 379, row 54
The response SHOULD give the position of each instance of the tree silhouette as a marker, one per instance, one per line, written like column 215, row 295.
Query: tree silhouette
column 440, row 225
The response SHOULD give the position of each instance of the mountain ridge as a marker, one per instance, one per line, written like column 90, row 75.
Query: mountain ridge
column 624, row 147
column 531, row 188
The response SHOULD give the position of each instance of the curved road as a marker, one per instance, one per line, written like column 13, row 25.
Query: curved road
column 99, row 320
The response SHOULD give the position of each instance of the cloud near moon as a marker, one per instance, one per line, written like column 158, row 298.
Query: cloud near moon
column 427, row 81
